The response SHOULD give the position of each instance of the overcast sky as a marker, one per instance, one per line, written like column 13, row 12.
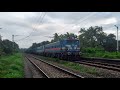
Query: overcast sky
column 41, row 25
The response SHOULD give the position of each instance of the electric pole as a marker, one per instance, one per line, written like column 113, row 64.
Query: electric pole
column 13, row 41
column 0, row 40
column 117, row 38
column 13, row 36
column 0, row 37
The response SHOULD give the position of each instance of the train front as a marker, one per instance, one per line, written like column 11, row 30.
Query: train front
column 72, row 47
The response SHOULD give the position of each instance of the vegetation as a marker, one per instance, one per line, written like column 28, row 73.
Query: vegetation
column 11, row 66
column 97, row 52
column 95, row 37
column 93, row 42
column 6, row 47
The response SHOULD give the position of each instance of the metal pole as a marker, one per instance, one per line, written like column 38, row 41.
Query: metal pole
column 117, row 39
column 13, row 41
column 0, row 36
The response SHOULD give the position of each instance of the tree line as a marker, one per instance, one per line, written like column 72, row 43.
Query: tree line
column 92, row 37
column 6, row 47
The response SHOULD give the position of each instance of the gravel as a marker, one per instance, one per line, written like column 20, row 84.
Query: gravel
column 27, row 71
column 101, row 73
column 31, row 71
column 51, row 71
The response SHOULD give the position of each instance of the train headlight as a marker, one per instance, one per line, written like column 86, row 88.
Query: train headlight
column 63, row 47
column 80, row 53
column 69, row 53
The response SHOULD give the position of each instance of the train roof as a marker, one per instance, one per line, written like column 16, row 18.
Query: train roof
column 52, row 43
column 59, row 41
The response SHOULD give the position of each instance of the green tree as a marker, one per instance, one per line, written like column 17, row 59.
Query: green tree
column 8, row 47
column 95, row 37
column 91, row 37
column 110, row 43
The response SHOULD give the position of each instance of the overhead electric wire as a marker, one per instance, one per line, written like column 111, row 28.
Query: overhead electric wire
column 103, row 27
column 34, row 27
column 38, row 20
column 83, row 19
column 31, row 32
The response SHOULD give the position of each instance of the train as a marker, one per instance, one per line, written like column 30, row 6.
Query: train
column 63, row 49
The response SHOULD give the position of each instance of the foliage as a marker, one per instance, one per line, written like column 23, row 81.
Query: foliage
column 11, row 66
column 6, row 47
column 100, row 52
column 93, row 42
column 94, row 36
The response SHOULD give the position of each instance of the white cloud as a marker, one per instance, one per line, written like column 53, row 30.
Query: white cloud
column 22, row 23
column 111, row 20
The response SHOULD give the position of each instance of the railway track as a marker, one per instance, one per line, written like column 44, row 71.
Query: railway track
column 100, row 65
column 51, row 71
column 42, row 73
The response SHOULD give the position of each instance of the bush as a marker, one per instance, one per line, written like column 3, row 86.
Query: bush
column 11, row 66
column 99, row 52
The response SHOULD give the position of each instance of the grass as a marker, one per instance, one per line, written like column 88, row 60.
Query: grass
column 11, row 66
column 95, row 52
column 74, row 66
column 109, row 55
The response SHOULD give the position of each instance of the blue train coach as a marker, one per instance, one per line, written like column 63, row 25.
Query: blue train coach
column 63, row 49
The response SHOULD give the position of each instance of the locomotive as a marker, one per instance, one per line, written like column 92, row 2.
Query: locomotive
column 62, row 49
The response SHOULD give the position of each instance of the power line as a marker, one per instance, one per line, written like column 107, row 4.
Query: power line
column 83, row 19
column 34, row 27
column 103, row 27
column 30, row 33
column 38, row 20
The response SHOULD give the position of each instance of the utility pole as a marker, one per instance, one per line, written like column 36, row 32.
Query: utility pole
column 0, row 37
column 117, row 38
column 0, row 40
column 13, row 41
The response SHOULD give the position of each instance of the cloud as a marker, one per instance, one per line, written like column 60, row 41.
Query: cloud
column 26, row 23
